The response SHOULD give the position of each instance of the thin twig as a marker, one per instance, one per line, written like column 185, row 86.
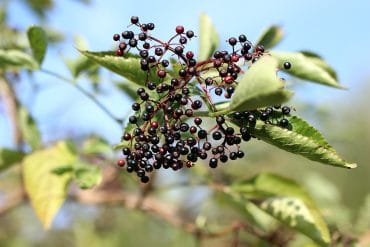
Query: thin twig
column 84, row 92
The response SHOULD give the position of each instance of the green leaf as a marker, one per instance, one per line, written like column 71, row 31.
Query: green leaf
column 302, row 139
column 271, row 37
column 129, row 88
column 15, row 59
column 308, row 67
column 208, row 37
column 127, row 66
column 96, row 145
column 46, row 190
column 286, row 201
column 38, row 41
column 9, row 157
column 30, row 132
column 87, row 176
column 259, row 87
column 80, row 65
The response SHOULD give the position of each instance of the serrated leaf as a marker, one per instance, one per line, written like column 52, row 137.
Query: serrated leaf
column 9, row 157
column 127, row 66
column 259, row 87
column 16, row 59
column 47, row 191
column 308, row 67
column 208, row 37
column 286, row 201
column 29, row 129
column 79, row 65
column 301, row 139
column 38, row 42
column 271, row 37
column 87, row 176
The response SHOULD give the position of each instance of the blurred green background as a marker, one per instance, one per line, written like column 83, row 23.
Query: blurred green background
column 336, row 31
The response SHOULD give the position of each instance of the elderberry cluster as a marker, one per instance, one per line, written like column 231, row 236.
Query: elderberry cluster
column 166, row 129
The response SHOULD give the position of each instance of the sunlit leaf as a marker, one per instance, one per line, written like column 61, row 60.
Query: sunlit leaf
column 15, row 59
column 127, row 66
column 38, row 41
column 308, row 67
column 9, row 157
column 46, row 190
column 259, row 87
column 208, row 38
column 302, row 139
column 29, row 129
column 96, row 145
column 286, row 201
column 271, row 37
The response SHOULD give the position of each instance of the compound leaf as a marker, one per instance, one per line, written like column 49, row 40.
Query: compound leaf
column 16, row 59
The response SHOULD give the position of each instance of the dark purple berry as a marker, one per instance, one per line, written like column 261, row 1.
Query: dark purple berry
column 116, row 37
column 134, row 19
column 287, row 65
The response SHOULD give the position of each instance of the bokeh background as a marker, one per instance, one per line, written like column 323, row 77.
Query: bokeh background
column 337, row 30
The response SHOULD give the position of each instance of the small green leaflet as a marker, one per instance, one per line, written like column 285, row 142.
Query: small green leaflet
column 286, row 201
column 208, row 38
column 29, row 129
column 308, row 67
column 303, row 139
column 127, row 66
column 15, row 59
column 259, row 87
column 271, row 37
column 38, row 42
column 9, row 157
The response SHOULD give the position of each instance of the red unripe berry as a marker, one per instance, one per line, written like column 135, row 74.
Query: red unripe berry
column 119, row 52
column 234, row 58
column 189, row 55
column 229, row 79
column 154, row 125
column 161, row 73
column 121, row 163
column 179, row 29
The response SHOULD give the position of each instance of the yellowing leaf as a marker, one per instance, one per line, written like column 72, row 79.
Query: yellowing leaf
column 46, row 190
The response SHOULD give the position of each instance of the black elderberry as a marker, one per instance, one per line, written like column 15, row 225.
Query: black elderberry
column 196, row 104
column 223, row 72
column 184, row 101
column 193, row 129
column 150, row 26
column 232, row 41
column 144, row 27
column 220, row 149
column 130, row 169
column 142, row 36
column 132, row 119
column 264, row 116
column 146, row 45
column 151, row 59
column 246, row 136
column 165, row 63
column 223, row 158
column 285, row 110
column 207, row 146
column 143, row 53
column 287, row 65
column 192, row 62
column 189, row 34
column 183, row 40
column 213, row 163
column 197, row 120
column 229, row 131
column 184, row 127
column 248, row 56
column 179, row 50
column 284, row 122
column 132, row 42
column 218, row 91
column 208, row 81
column 240, row 154
column 230, row 90
column 185, row 90
column 158, row 51
column 127, row 34
column 126, row 151
column 135, row 106
column 144, row 179
column 134, row 19
column 151, row 85
column 242, row 38
column 220, row 120
column 116, row 37
column 233, row 156
column 182, row 72
column 202, row 134
column 144, row 96
column 189, row 112
column 217, row 135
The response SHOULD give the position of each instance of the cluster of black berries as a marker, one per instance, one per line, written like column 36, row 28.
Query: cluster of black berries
column 166, row 127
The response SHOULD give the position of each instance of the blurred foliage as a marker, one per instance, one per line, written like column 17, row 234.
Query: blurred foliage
column 343, row 197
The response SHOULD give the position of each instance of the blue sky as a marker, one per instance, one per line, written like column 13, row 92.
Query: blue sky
column 338, row 30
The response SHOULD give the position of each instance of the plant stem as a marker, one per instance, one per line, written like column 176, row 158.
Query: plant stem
column 84, row 92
